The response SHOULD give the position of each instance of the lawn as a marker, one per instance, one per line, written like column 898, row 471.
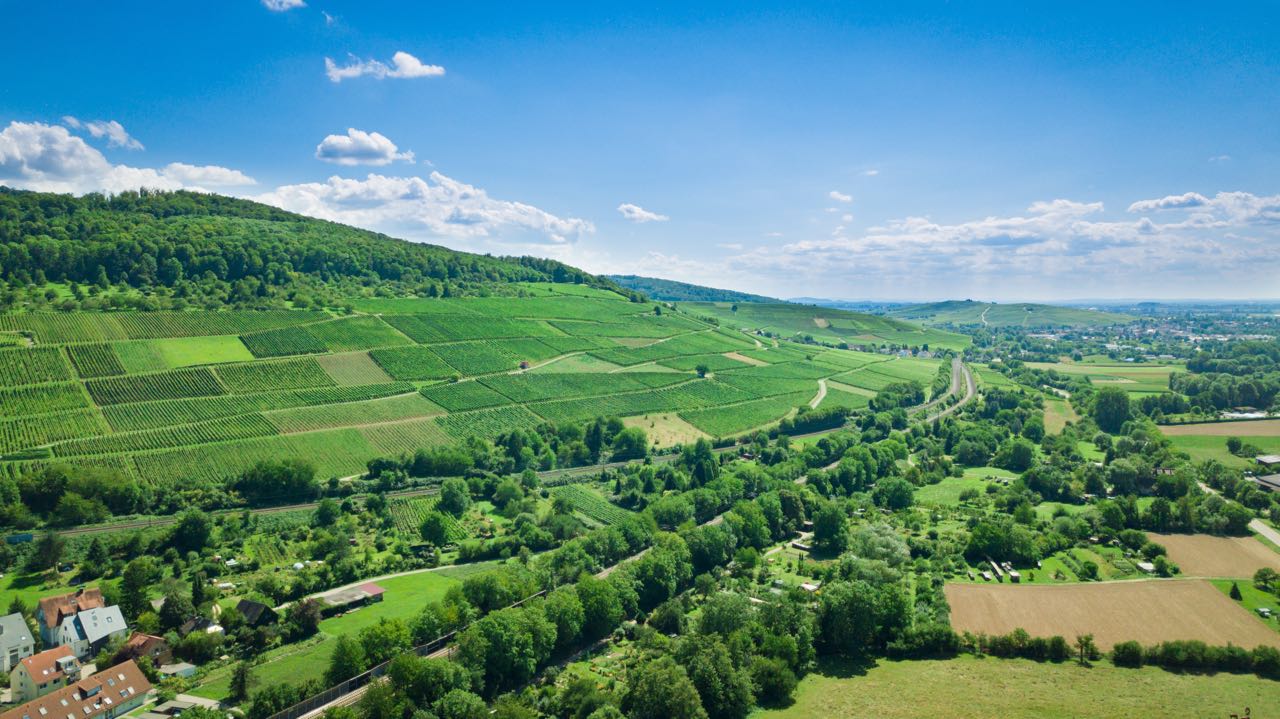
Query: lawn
column 1020, row 689
column 1252, row 598
column 405, row 597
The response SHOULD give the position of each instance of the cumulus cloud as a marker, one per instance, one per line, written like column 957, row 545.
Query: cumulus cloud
column 48, row 158
column 434, row 207
column 358, row 147
column 839, row 196
column 1171, row 202
column 403, row 66
column 110, row 129
column 636, row 213
column 1062, row 245
column 282, row 5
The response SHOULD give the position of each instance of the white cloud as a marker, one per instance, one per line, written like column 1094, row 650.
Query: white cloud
column 110, row 129
column 206, row 175
column 282, row 5
column 358, row 147
column 636, row 213
column 1059, row 246
column 48, row 158
column 735, row 246
column 403, row 65
column 846, row 217
column 1171, row 202
column 435, row 207
column 839, row 196
column 870, row 173
column 329, row 20
column 1220, row 158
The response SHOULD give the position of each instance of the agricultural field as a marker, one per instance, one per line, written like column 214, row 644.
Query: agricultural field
column 1201, row 447
column 1149, row 611
column 590, row 504
column 968, row 312
column 1131, row 377
column 409, row 513
column 794, row 321
column 198, row 396
column 978, row 688
column 1243, row 428
column 1203, row 555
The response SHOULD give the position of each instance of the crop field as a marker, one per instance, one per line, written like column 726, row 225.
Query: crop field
column 199, row 396
column 461, row 396
column 590, row 504
column 368, row 412
column 840, row 398
column 1131, row 377
column 979, row 688
column 724, row 421
column 1150, row 611
column 1251, row 428
column 353, row 369
column 1203, row 555
column 968, row 312
column 409, row 513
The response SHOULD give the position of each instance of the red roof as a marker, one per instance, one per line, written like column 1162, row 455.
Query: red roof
column 99, row 695
column 43, row 667
column 371, row 588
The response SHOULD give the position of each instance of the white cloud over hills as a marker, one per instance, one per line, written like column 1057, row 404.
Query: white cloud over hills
column 638, row 214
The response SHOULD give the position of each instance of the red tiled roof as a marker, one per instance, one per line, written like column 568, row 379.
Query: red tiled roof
column 53, row 609
column 88, row 698
column 43, row 667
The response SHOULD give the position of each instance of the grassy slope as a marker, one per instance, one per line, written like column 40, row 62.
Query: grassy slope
column 968, row 312
column 1016, row 689
column 825, row 323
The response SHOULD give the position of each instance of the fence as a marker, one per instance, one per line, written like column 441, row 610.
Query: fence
column 349, row 686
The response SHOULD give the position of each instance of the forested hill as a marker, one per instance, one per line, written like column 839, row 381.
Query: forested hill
column 672, row 291
column 195, row 242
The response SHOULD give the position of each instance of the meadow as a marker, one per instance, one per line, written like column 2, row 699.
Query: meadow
column 976, row 688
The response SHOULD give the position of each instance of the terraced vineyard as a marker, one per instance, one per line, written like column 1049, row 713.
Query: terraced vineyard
column 194, row 398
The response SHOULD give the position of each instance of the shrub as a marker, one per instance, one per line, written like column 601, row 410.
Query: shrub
column 1127, row 654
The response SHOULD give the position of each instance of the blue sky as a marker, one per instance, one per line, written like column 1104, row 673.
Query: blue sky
column 890, row 150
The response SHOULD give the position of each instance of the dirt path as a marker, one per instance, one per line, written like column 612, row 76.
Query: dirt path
column 983, row 316
column 822, row 394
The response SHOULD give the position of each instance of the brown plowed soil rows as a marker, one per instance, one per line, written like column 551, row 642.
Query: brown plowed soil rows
column 1203, row 555
column 1148, row 611
column 1252, row 428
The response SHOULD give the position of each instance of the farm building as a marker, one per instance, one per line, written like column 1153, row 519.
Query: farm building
column 1269, row 461
column 1270, row 481
column 352, row 597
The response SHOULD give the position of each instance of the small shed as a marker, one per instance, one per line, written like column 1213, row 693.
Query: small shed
column 1269, row 461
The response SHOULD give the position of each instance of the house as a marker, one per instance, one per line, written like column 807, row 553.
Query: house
column 352, row 597
column 146, row 645
column 52, row 611
column 16, row 641
column 42, row 673
column 88, row 631
column 105, row 695
column 256, row 613
column 200, row 624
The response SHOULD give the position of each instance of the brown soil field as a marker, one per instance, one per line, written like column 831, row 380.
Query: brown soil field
column 1203, row 555
column 665, row 430
column 1149, row 611
column 1248, row 428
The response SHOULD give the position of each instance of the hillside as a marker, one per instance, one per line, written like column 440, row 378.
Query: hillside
column 969, row 312
column 672, row 291
column 824, row 324
column 205, row 246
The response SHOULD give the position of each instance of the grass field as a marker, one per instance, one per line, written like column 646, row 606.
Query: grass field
column 1254, row 428
column 1149, row 611
column 947, row 492
column 1202, row 447
column 1203, row 555
column 1057, row 412
column 824, row 323
column 1131, row 377
column 979, row 688
column 665, row 429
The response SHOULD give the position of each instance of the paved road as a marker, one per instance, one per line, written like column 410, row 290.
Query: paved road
column 822, row 394
column 959, row 371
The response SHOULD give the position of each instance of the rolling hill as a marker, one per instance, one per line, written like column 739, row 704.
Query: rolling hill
column 824, row 324
column 968, row 312
column 672, row 291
